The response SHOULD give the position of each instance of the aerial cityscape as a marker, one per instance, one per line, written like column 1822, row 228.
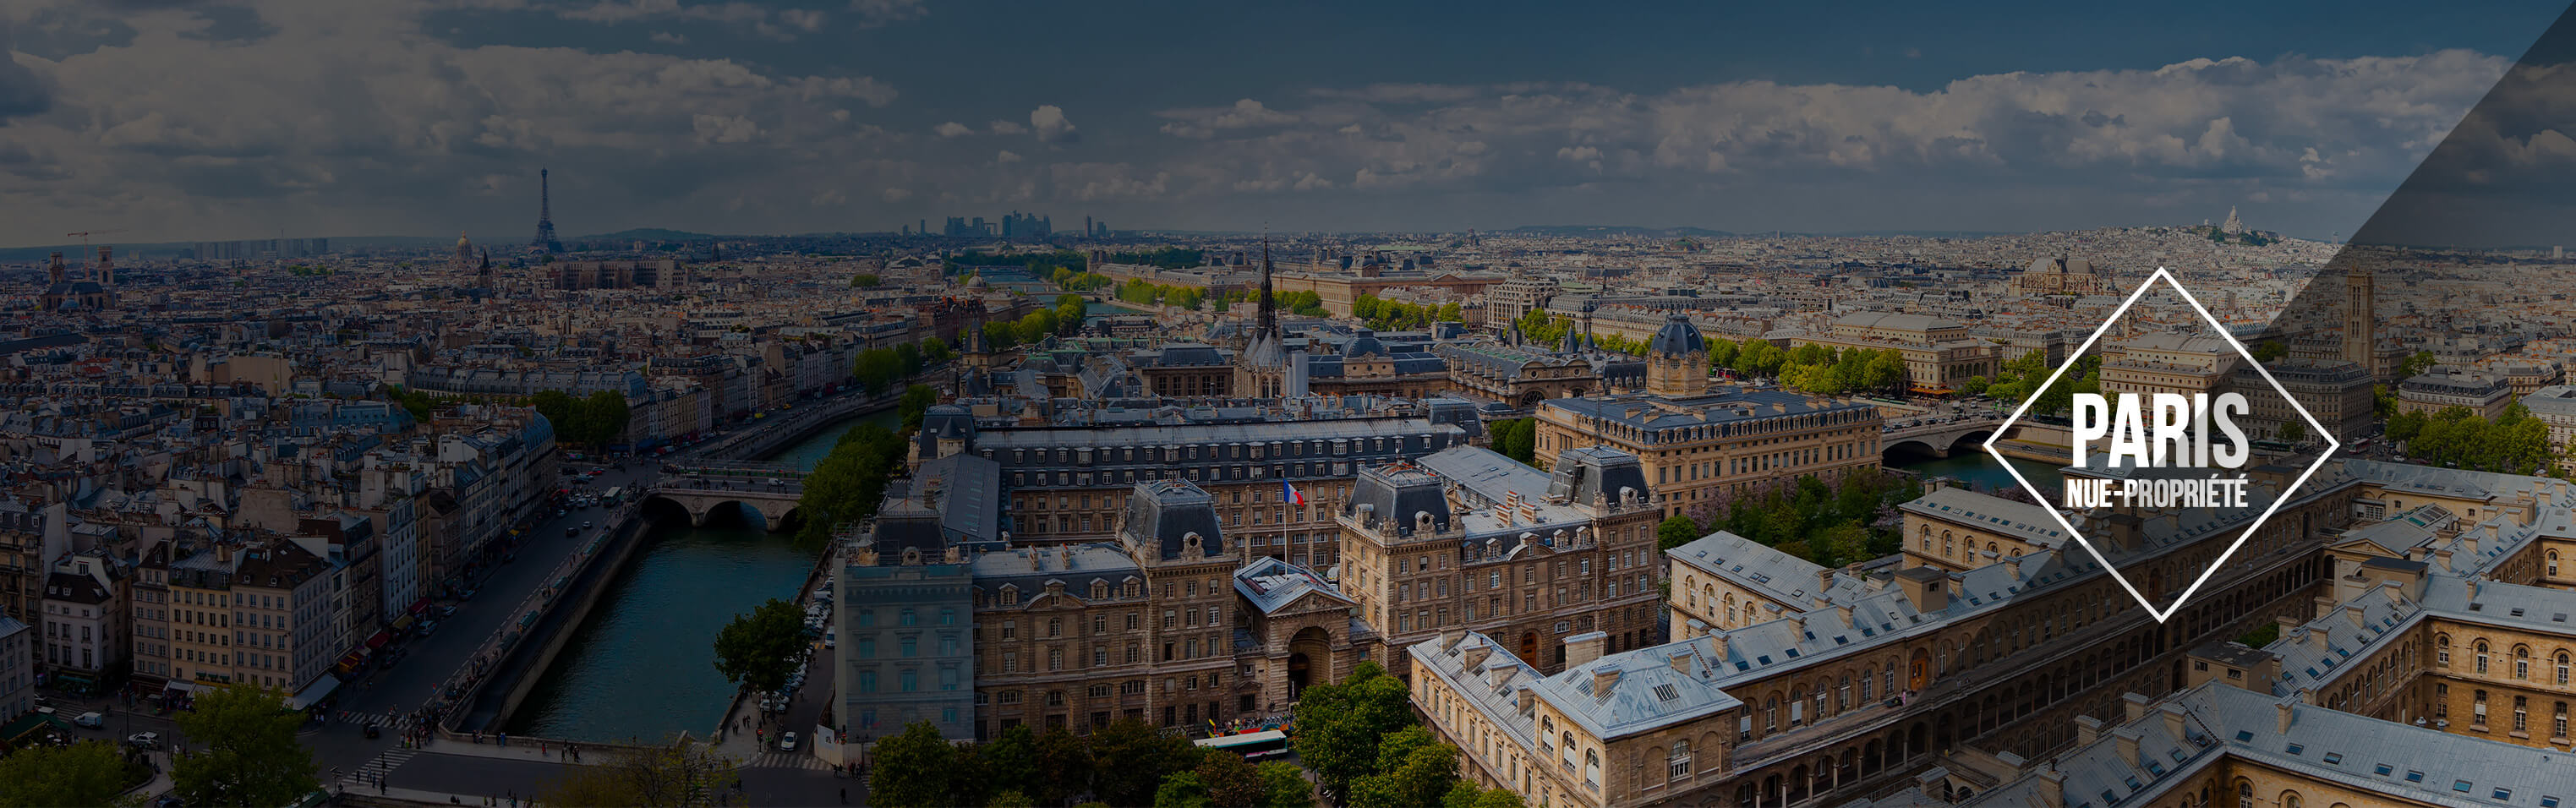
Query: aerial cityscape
column 716, row 425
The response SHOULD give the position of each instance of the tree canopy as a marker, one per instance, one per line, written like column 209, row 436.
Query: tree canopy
column 1339, row 726
column 758, row 648
column 84, row 773
column 244, row 750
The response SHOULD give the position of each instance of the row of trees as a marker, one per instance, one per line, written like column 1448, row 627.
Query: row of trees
column 1392, row 315
column 1831, row 525
column 1125, row 763
column 1065, row 317
column 1541, row 328
column 2019, row 379
column 1155, row 294
column 847, row 485
column 1367, row 749
column 594, row 421
column 244, row 753
column 878, row 369
column 1074, row 280
column 1827, row 371
column 2514, row 443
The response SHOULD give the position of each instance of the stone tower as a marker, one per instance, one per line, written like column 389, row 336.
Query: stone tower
column 1677, row 359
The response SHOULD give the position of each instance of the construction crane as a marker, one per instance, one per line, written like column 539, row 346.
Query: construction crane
column 85, row 234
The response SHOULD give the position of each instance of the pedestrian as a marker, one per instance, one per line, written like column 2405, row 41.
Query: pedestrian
column 845, row 795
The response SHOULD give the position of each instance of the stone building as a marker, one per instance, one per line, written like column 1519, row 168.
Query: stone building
column 1468, row 538
column 1700, row 452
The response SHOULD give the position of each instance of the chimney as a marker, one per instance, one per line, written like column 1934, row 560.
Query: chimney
column 1926, row 588
column 1476, row 656
column 2173, row 714
column 1681, row 661
column 1582, row 648
column 2318, row 637
column 2052, row 794
column 1604, row 679
column 2282, row 708
column 2354, row 614
column 2126, row 740
column 2012, row 567
column 2136, row 704
column 2087, row 729
column 1717, row 648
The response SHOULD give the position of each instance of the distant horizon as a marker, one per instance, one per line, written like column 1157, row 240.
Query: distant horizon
column 184, row 121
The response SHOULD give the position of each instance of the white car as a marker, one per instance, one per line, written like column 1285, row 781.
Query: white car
column 144, row 740
column 787, row 742
column 90, row 720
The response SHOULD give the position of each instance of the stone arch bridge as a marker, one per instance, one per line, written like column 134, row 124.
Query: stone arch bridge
column 769, row 490
column 1939, row 439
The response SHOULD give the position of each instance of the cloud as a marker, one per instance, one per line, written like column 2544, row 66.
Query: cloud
column 952, row 129
column 780, row 24
column 1006, row 157
column 22, row 92
column 1007, row 128
column 895, row 194
column 1205, row 123
column 668, row 38
column 876, row 13
column 1049, row 123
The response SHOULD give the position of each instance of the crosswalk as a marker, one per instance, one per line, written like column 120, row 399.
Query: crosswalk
column 382, row 719
column 774, row 759
column 364, row 776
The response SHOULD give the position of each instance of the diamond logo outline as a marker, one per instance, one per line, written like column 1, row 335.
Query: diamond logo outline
column 2333, row 445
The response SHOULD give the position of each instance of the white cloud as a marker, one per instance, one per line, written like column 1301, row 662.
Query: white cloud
column 1006, row 128
column 895, row 194
column 668, row 38
column 1205, row 123
column 1006, row 157
column 781, row 24
column 952, row 129
column 1051, row 126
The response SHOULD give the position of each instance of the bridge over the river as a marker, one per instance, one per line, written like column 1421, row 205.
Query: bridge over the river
column 769, row 489
column 1938, row 438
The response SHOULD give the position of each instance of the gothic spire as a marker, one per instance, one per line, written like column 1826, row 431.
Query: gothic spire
column 1269, row 309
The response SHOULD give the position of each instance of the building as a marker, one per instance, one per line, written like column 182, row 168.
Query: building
column 2444, row 386
column 17, row 669
column 283, row 600
column 2169, row 363
column 905, row 647
column 1505, row 302
column 1699, row 453
column 1470, row 539
column 2555, row 405
column 85, row 621
column 2064, row 276
column 1958, row 530
column 1939, row 353
column 1070, row 484
column 1865, row 682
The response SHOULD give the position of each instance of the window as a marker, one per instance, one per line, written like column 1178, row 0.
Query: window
column 1679, row 764
column 2482, row 656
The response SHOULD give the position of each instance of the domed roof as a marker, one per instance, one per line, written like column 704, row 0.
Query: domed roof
column 1364, row 343
column 1678, row 336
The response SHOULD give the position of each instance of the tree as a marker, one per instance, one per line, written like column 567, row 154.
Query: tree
column 758, row 649
column 1182, row 790
column 603, row 786
column 912, row 769
column 1130, row 759
column 85, row 773
column 246, row 752
column 917, row 400
column 865, row 281
column 847, row 485
column 1011, row 799
column 603, row 416
column 2416, row 364
column 1414, row 769
column 1010, row 761
column 2293, row 431
column 1284, row 785
column 1231, row 782
column 1065, row 758
column 1339, row 725
column 1677, row 530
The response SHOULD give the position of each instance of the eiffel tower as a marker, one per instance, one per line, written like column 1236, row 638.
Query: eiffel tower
column 545, row 242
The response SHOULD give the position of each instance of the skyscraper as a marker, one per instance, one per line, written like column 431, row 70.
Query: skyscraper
column 545, row 241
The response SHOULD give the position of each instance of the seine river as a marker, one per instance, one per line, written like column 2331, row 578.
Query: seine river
column 641, row 667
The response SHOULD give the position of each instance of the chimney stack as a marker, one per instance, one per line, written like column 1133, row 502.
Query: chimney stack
column 1582, row 648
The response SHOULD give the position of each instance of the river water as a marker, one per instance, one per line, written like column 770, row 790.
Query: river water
column 1977, row 469
column 641, row 667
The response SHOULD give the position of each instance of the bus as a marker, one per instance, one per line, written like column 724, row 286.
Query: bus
column 610, row 498
column 1253, row 746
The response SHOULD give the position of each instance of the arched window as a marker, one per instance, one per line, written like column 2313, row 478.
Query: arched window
column 2522, row 662
column 2244, row 793
column 2553, row 561
column 1592, row 769
column 1679, row 764
column 1568, row 753
column 2482, row 656
column 2289, row 799
column 2442, row 650
column 2562, row 667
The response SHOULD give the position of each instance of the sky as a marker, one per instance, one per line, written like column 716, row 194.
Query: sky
column 175, row 120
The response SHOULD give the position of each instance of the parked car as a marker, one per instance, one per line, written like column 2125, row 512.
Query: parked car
column 90, row 721
column 427, row 626
column 144, row 740
column 787, row 742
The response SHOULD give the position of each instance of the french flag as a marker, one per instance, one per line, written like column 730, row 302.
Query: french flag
column 1292, row 496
